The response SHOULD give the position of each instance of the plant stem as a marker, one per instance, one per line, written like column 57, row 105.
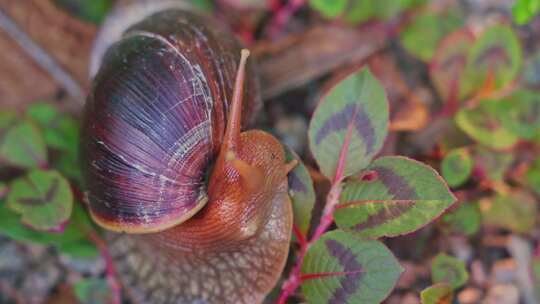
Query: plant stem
column 110, row 272
column 94, row 237
column 295, row 277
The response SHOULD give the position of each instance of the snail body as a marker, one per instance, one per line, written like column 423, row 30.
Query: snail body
column 203, row 206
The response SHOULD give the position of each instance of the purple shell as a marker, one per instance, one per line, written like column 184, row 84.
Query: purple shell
column 155, row 118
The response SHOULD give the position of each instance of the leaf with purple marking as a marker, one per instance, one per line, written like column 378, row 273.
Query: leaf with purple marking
column 423, row 34
column 449, row 62
column 59, row 130
column 23, row 146
column 437, row 294
column 400, row 196
column 43, row 198
column 449, row 270
column 494, row 60
column 484, row 125
column 343, row 268
column 72, row 241
column 491, row 165
column 520, row 113
column 301, row 192
column 349, row 125
column 457, row 166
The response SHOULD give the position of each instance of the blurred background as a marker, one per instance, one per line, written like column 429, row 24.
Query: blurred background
column 462, row 78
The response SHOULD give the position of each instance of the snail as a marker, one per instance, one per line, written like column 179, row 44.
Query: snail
column 198, row 210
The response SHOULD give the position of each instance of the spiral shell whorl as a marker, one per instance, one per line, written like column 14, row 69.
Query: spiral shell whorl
column 155, row 120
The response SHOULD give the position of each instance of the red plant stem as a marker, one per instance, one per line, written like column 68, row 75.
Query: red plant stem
column 274, row 5
column 300, row 237
column 327, row 218
column 110, row 271
column 282, row 16
column 312, row 276
column 295, row 277
column 328, row 213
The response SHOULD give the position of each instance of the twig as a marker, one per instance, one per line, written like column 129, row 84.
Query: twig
column 41, row 57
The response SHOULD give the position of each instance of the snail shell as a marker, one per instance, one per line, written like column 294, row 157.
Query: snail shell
column 155, row 119
column 152, row 142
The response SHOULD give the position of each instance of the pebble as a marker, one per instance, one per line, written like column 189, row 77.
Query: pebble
column 502, row 294
column 469, row 296
column 503, row 271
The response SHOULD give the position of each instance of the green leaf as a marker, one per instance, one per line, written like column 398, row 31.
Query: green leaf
column 60, row 131
column 484, row 125
column 93, row 291
column 466, row 219
column 495, row 57
column 42, row 113
column 449, row 62
column 208, row 5
column 93, row 11
column 492, row 165
column 395, row 196
column 301, row 192
column 23, row 146
column 520, row 113
column 421, row 37
column 515, row 211
column 3, row 190
column 69, row 165
column 329, row 8
column 343, row 268
column 7, row 118
column 11, row 226
column 533, row 176
column 437, row 294
column 71, row 241
column 448, row 269
column 524, row 10
column 457, row 167
column 81, row 249
column 386, row 9
column 359, row 11
column 349, row 125
column 79, row 245
column 43, row 198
